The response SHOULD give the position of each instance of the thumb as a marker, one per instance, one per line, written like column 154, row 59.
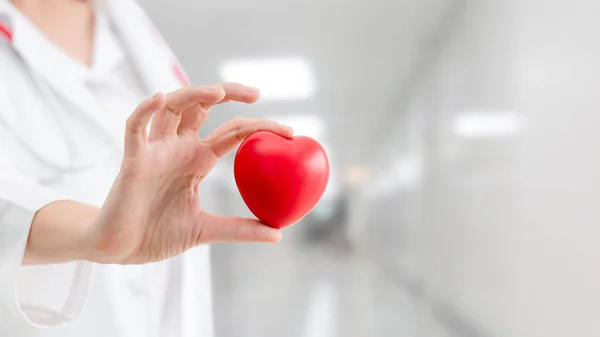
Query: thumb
column 236, row 229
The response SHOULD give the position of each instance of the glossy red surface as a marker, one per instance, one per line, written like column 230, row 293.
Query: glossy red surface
column 281, row 180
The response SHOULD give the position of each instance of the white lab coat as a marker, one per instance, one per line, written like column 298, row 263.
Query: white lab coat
column 38, row 166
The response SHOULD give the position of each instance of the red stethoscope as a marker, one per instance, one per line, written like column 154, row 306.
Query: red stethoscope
column 5, row 32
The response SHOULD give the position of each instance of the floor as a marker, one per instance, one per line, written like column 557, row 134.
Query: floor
column 306, row 287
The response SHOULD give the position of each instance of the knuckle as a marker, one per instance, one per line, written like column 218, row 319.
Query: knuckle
column 201, row 111
column 239, row 133
column 130, row 123
column 238, row 125
column 172, row 111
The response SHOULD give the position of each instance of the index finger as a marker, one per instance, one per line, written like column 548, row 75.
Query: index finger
column 239, row 93
column 209, row 95
column 229, row 135
column 187, row 97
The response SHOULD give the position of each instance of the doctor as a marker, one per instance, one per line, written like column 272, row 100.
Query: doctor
column 99, row 202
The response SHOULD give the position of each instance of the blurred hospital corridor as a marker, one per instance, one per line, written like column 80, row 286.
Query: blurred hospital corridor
column 463, row 142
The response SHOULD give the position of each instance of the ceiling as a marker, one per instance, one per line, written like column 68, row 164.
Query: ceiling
column 361, row 53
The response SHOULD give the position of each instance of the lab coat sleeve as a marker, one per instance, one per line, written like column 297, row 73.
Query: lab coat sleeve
column 35, row 296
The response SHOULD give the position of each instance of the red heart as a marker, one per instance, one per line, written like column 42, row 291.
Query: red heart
column 280, row 179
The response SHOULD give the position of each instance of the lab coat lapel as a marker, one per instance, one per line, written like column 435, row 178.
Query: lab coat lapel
column 153, row 59
column 78, row 95
column 156, row 65
column 33, row 49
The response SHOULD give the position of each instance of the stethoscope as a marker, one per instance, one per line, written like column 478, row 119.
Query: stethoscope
column 53, row 104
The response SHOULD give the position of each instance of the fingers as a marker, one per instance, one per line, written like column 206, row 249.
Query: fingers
column 185, row 98
column 135, row 132
column 185, row 110
column 239, row 93
column 167, row 121
column 236, row 229
column 229, row 135
column 194, row 117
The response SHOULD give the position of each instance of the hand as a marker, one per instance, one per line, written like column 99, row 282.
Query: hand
column 153, row 210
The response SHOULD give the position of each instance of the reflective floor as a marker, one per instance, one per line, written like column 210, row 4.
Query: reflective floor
column 305, row 287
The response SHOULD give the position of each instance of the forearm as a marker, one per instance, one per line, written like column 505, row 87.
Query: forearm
column 60, row 233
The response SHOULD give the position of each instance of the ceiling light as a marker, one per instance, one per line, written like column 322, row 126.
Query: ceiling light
column 276, row 78
column 488, row 125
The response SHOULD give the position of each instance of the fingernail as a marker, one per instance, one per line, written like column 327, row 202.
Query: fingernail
column 252, row 90
column 288, row 129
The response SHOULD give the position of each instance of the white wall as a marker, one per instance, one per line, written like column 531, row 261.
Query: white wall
column 558, row 248
column 502, row 230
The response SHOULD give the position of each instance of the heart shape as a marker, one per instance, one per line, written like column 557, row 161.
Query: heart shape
column 280, row 179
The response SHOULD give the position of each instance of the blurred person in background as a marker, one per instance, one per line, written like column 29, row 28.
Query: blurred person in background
column 94, row 175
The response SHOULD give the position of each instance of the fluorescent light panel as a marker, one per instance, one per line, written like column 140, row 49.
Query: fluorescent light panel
column 286, row 78
column 488, row 124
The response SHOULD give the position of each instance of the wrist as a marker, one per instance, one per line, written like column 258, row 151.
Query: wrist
column 104, row 242
column 61, row 232
column 88, row 245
